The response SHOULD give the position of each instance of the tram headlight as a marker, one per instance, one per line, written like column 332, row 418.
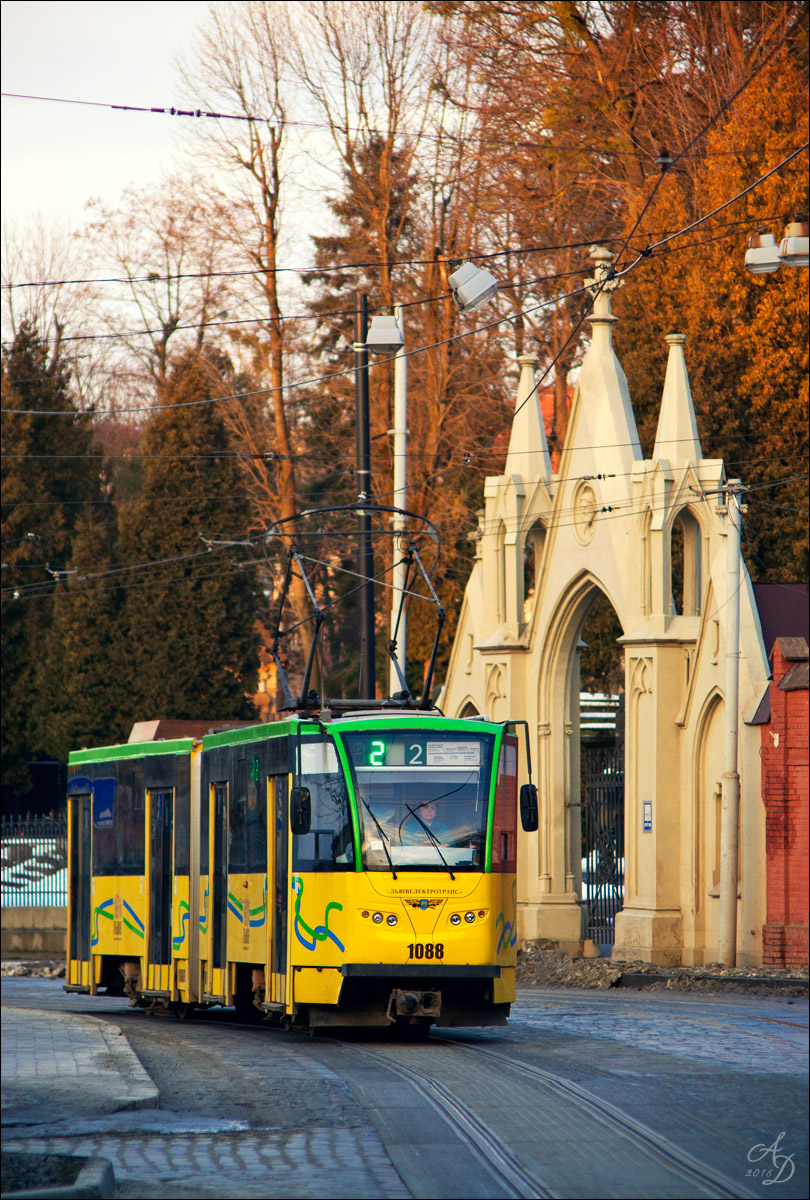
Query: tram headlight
column 469, row 918
column 392, row 920
column 455, row 919
column 377, row 918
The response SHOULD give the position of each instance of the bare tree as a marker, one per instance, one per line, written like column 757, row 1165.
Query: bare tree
column 239, row 66
column 158, row 263
column 42, row 283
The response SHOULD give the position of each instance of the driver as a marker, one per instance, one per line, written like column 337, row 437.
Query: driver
column 414, row 834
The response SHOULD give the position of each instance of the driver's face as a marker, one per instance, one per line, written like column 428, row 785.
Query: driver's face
column 428, row 813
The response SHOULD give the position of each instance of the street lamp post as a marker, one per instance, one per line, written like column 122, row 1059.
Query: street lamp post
column 730, row 805
column 386, row 337
column 366, row 685
column 471, row 287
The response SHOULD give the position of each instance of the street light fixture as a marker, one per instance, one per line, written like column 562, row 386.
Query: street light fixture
column 472, row 287
column 795, row 245
column 384, row 336
column 764, row 256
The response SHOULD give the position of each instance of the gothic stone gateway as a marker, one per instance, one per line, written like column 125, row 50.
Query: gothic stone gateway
column 606, row 521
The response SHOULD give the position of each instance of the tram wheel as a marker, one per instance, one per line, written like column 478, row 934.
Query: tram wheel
column 183, row 1010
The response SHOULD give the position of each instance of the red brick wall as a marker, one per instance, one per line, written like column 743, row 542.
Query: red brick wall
column 785, row 794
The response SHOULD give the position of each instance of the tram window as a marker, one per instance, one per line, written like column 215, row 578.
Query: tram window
column 118, row 828
column 329, row 845
column 181, row 830
column 105, row 841
column 247, row 821
column 130, row 822
column 204, row 820
column 504, row 832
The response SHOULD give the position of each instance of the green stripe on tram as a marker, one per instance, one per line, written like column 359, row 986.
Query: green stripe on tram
column 129, row 750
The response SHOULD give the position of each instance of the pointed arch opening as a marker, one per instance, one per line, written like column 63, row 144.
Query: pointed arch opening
column 685, row 564
column 501, row 568
column 601, row 760
column 581, row 756
column 534, row 544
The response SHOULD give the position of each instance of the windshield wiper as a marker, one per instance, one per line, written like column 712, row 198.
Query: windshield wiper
column 382, row 835
column 432, row 837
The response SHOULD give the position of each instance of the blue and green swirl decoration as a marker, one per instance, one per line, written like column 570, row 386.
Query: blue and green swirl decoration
column 178, row 939
column 105, row 910
column 309, row 937
column 257, row 915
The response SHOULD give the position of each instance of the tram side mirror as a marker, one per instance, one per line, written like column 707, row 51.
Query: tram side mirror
column 300, row 810
column 529, row 816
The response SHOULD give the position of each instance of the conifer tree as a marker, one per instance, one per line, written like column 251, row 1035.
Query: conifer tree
column 188, row 622
column 47, row 477
column 86, row 659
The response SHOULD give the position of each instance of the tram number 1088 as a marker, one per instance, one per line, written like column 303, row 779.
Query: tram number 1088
column 426, row 950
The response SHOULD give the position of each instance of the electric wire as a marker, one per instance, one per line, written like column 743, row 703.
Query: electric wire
column 617, row 511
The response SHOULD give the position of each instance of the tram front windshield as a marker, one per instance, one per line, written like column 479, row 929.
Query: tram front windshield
column 422, row 798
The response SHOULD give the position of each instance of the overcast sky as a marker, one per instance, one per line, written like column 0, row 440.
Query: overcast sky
column 55, row 156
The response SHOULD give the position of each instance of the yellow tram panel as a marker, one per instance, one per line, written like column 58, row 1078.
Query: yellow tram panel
column 247, row 918
column 117, row 914
column 333, row 920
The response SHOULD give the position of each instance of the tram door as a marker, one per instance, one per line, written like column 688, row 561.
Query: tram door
column 218, row 861
column 278, row 880
column 161, row 813
column 79, row 942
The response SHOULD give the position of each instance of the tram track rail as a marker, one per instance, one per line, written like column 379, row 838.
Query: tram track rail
column 639, row 1135
column 480, row 1140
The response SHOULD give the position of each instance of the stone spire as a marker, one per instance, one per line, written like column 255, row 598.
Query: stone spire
column 677, row 439
column 601, row 318
column 528, row 454
column 602, row 437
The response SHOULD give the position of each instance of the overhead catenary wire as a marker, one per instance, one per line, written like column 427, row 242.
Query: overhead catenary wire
column 315, row 270
column 620, row 510
column 266, row 391
column 199, row 112
column 196, row 326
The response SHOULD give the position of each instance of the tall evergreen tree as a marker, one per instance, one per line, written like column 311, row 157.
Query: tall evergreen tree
column 47, row 477
column 86, row 660
column 188, row 623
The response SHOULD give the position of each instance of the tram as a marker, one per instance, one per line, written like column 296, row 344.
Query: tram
column 335, row 870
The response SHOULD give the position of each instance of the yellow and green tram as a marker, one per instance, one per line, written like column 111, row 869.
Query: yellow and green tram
column 356, row 871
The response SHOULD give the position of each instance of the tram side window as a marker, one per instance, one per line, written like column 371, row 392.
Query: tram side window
column 118, row 827
column 504, row 825
column 105, row 839
column 132, row 829
column 329, row 845
column 182, row 847
column 247, row 821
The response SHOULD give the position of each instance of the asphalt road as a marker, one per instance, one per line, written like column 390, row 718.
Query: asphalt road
column 584, row 1094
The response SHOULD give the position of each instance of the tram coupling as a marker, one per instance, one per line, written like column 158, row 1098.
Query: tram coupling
column 414, row 1004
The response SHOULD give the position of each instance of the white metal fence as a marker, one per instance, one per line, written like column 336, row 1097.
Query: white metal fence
column 34, row 862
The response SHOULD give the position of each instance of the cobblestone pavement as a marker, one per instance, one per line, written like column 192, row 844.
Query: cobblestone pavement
column 255, row 1112
column 315, row 1162
column 736, row 1034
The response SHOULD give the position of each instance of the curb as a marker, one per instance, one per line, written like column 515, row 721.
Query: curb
column 117, row 1080
column 129, row 1067
column 95, row 1181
